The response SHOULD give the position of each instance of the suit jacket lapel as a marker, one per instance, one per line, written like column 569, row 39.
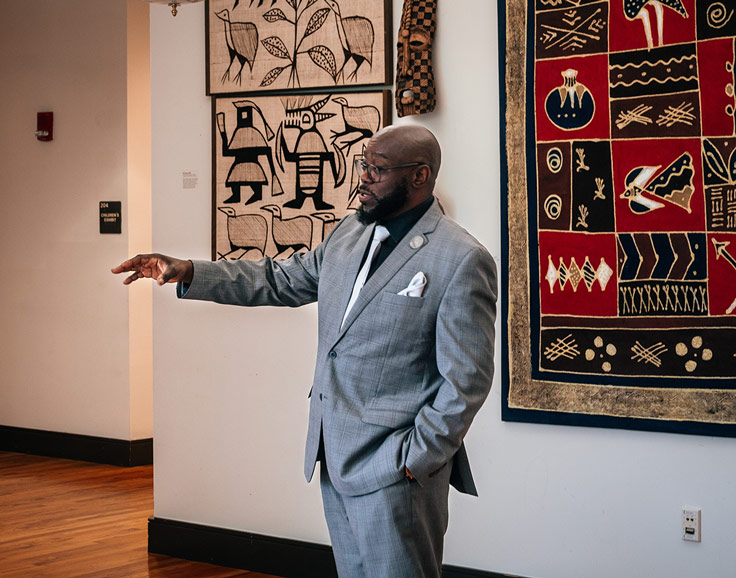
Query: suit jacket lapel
column 352, row 266
column 392, row 265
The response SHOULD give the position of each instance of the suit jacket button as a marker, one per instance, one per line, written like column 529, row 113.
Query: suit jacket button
column 333, row 354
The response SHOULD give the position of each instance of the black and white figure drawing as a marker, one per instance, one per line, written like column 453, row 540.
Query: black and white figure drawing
column 257, row 45
column 283, row 168
column 247, row 145
column 309, row 153
column 241, row 39
column 356, row 38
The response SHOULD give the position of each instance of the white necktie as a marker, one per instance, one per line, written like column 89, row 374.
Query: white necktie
column 380, row 234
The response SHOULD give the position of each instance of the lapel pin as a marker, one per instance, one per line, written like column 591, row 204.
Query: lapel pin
column 416, row 242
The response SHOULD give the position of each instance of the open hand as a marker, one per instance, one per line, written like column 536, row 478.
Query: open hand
column 162, row 268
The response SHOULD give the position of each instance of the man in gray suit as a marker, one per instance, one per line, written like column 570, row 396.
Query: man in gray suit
column 407, row 305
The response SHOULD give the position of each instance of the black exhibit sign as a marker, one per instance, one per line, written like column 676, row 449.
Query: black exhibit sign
column 110, row 217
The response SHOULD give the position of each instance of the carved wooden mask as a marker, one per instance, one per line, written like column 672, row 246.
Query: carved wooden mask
column 415, row 93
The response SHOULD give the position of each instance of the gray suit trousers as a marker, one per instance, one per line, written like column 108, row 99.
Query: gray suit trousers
column 395, row 532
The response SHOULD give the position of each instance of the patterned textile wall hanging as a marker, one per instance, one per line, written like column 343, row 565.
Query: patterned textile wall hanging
column 620, row 219
column 259, row 45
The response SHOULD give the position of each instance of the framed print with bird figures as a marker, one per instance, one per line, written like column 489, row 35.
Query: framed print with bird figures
column 620, row 214
column 284, row 168
column 259, row 45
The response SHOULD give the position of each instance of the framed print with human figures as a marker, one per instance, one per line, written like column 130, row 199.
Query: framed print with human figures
column 620, row 214
column 259, row 45
column 284, row 168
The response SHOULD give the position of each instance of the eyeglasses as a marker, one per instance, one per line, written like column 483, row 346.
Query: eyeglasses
column 374, row 173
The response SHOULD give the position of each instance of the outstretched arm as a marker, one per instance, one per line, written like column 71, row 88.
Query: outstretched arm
column 162, row 268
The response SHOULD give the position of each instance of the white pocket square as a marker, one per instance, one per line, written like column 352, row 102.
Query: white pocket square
column 416, row 286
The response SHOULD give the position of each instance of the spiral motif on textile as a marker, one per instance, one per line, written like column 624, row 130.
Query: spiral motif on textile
column 718, row 16
column 553, row 206
column 554, row 160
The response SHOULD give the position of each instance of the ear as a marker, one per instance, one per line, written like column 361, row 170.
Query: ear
column 421, row 176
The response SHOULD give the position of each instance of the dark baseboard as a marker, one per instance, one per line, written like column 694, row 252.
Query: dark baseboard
column 257, row 553
column 77, row 447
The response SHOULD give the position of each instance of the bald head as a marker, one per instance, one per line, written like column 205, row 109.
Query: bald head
column 403, row 161
column 411, row 143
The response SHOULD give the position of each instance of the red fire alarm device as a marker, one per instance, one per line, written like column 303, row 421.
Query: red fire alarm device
column 45, row 126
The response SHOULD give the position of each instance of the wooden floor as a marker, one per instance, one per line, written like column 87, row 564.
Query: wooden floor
column 61, row 518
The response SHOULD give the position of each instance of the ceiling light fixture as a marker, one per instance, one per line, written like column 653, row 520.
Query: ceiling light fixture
column 173, row 4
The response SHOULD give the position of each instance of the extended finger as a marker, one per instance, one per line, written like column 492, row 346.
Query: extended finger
column 122, row 268
column 129, row 265
column 128, row 280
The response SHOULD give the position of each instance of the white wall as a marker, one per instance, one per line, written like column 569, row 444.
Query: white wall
column 64, row 346
column 230, row 384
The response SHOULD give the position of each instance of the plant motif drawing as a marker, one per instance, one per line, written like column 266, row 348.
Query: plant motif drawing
column 321, row 55
column 295, row 44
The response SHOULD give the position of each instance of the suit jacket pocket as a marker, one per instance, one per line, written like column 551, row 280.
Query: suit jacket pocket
column 401, row 301
column 404, row 318
column 392, row 417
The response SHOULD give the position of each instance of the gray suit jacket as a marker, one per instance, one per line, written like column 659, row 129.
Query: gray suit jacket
column 399, row 384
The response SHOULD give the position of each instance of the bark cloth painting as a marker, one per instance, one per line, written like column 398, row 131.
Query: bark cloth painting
column 284, row 168
column 266, row 45
column 620, row 228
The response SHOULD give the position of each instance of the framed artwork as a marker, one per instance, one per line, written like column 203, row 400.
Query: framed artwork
column 284, row 168
column 260, row 45
column 620, row 217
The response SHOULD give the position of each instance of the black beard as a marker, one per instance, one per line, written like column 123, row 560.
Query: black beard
column 385, row 206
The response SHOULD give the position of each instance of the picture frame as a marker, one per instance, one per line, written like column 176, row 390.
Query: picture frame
column 277, row 45
column 284, row 168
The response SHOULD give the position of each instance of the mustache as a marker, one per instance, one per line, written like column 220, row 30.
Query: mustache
column 363, row 189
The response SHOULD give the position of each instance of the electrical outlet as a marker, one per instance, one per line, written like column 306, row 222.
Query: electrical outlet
column 691, row 524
